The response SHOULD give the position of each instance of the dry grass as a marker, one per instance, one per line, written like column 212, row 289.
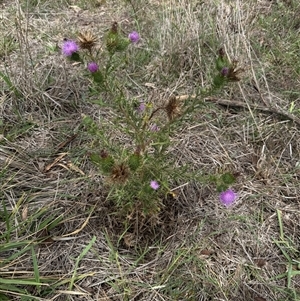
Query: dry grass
column 200, row 251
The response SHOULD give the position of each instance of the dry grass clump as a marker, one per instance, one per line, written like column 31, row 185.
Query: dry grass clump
column 58, row 227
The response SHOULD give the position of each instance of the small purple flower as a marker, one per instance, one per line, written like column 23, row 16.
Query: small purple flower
column 154, row 185
column 154, row 128
column 134, row 37
column 141, row 107
column 69, row 47
column 93, row 67
column 228, row 197
column 225, row 71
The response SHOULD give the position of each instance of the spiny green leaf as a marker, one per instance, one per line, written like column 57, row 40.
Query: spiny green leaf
column 228, row 178
column 221, row 187
column 134, row 162
column 98, row 77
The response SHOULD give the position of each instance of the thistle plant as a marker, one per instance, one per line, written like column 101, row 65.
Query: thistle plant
column 140, row 175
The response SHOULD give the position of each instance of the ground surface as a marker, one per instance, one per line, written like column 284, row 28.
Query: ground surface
column 200, row 250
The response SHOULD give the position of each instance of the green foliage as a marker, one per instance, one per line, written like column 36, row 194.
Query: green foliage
column 6, row 78
column 134, row 162
column 291, row 253
column 16, row 131
column 221, row 62
column 75, row 57
column 7, row 44
column 98, row 77
column 115, row 42
column 11, row 250
column 80, row 257
column 228, row 178
column 105, row 162
column 223, row 181
column 219, row 81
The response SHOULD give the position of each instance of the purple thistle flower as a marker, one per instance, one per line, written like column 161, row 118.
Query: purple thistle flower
column 134, row 37
column 154, row 185
column 228, row 197
column 93, row 67
column 225, row 71
column 141, row 107
column 154, row 128
column 69, row 47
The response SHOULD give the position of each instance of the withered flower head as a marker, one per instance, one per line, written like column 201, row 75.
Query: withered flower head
column 173, row 107
column 221, row 52
column 234, row 72
column 87, row 40
column 120, row 173
column 103, row 154
column 114, row 27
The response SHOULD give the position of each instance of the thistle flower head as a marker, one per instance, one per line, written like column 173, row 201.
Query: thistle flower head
column 92, row 67
column 228, row 197
column 87, row 40
column 114, row 27
column 134, row 37
column 154, row 185
column 225, row 71
column 141, row 108
column 69, row 47
column 172, row 108
column 234, row 72
column 103, row 153
column 120, row 173
column 221, row 52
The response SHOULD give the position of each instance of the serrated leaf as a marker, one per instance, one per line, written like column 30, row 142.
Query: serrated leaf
column 98, row 77
column 213, row 178
column 75, row 57
column 219, row 81
column 222, row 187
column 221, row 62
column 134, row 162
column 107, row 164
column 228, row 178
column 122, row 44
